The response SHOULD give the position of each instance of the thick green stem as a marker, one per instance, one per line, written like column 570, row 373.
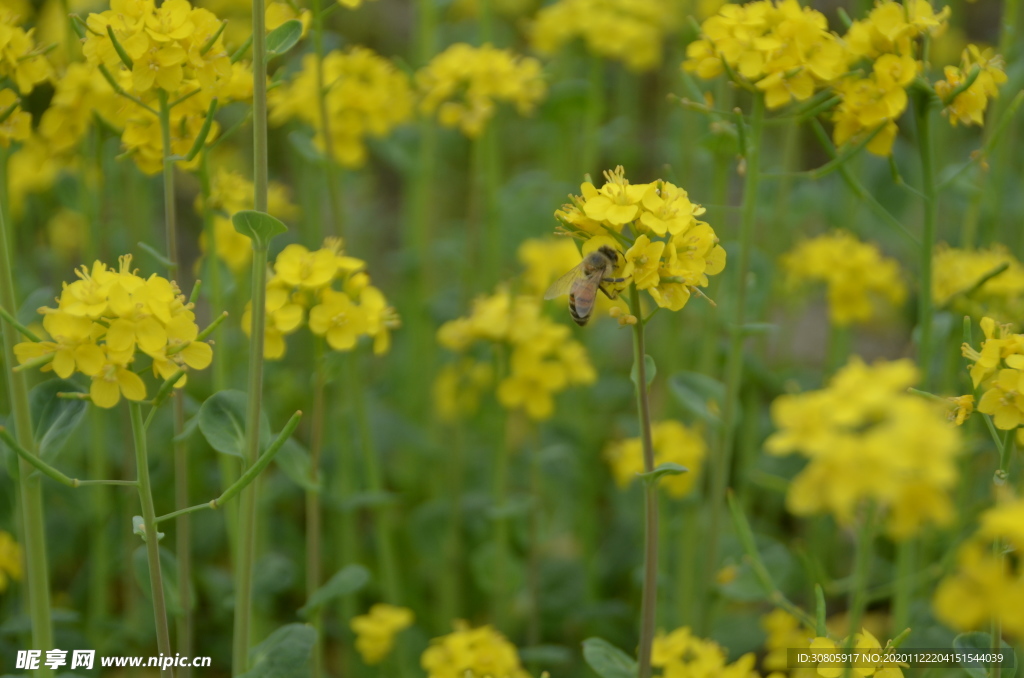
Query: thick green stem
column 925, row 310
column 247, row 503
column 734, row 364
column 30, row 489
column 648, row 608
column 156, row 581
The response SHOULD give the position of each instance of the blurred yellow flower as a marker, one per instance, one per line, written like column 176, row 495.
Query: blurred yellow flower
column 848, row 430
column 959, row 279
column 782, row 632
column 865, row 643
column 681, row 653
column 10, row 560
column 673, row 443
column 458, row 387
column 376, row 631
column 15, row 124
column 861, row 283
column 472, row 651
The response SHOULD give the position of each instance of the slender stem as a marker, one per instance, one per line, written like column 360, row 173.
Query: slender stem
column 533, row 630
column 156, row 581
column 734, row 364
column 183, row 536
column 924, row 310
column 861, row 575
column 259, row 104
column 30, row 489
column 648, row 609
column 313, row 511
column 247, row 503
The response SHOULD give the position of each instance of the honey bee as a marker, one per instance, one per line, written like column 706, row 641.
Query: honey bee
column 583, row 282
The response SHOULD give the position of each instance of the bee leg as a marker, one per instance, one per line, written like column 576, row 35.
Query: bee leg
column 606, row 293
column 613, row 280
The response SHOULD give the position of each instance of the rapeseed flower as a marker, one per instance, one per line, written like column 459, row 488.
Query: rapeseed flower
column 998, row 370
column 969, row 281
column 302, row 287
column 10, row 560
column 782, row 632
column 630, row 31
column 667, row 250
column 861, row 283
column 848, row 430
column 15, row 124
column 463, row 85
column 969, row 105
column 864, row 643
column 543, row 359
column 891, row 28
column 366, row 96
column 673, row 443
column 21, row 59
column 106, row 319
column 459, row 386
column 681, row 653
column 480, row 651
column 376, row 631
column 987, row 585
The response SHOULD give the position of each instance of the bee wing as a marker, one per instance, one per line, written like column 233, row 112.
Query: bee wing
column 564, row 284
column 585, row 295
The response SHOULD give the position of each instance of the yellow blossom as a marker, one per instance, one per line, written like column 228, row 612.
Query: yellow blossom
column 376, row 631
column 673, row 443
column 969, row 106
column 10, row 560
column 472, row 651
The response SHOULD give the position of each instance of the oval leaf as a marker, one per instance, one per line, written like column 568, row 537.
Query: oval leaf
column 284, row 37
column 284, row 653
column 650, row 369
column 222, row 421
column 348, row 579
column 259, row 227
column 294, row 460
column 696, row 393
column 54, row 419
column 607, row 660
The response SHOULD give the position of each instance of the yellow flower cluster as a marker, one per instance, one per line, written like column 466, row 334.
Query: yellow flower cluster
column 667, row 251
column 365, row 96
column 305, row 280
column 464, row 84
column 856, row 274
column 21, row 60
column 673, row 443
column 782, row 632
column 232, row 192
column 681, row 654
column 848, row 432
column 173, row 52
column 10, row 560
column 969, row 105
column 987, row 586
column 238, row 14
column 891, row 28
column 472, row 652
column 958, row 272
column 630, row 31
column 459, row 386
column 81, row 88
column 785, row 50
column 105, row 319
column 16, row 124
column 543, row 360
column 376, row 631
column 864, row 642
column 998, row 369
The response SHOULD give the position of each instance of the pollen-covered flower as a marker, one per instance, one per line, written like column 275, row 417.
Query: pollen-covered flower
column 848, row 431
column 673, row 443
column 480, row 651
column 861, row 283
column 376, row 631
column 670, row 251
column 969, row 105
column 107, row 319
column 631, row 31
column 463, row 85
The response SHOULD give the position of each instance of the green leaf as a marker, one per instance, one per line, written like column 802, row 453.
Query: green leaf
column 284, row 653
column 294, row 460
column 669, row 468
column 284, row 37
column 222, row 421
column 695, row 392
column 650, row 370
column 980, row 642
column 607, row 660
column 54, row 419
column 168, row 572
column 259, row 227
column 348, row 579
column 139, row 528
